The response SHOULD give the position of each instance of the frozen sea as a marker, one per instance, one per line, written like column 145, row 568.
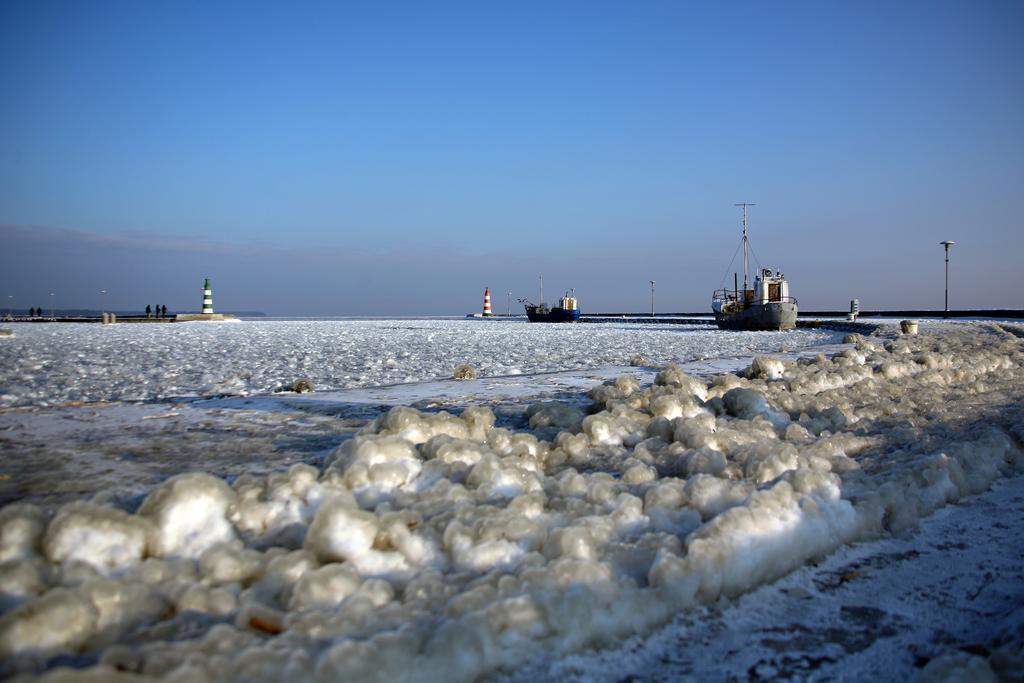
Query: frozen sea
column 603, row 502
column 50, row 364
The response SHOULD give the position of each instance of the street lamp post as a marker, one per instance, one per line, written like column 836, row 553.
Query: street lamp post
column 652, row 298
column 103, row 293
column 947, row 244
column 508, row 304
column 51, row 306
column 10, row 305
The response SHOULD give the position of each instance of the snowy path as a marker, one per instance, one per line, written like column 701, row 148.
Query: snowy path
column 876, row 611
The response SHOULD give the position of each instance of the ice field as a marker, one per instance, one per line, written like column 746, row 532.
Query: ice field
column 53, row 364
column 731, row 506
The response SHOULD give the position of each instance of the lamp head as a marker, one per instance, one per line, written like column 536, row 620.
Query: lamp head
column 947, row 243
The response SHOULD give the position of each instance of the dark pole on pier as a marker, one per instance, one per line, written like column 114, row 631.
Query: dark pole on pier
column 947, row 244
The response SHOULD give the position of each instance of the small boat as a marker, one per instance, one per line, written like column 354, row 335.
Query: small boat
column 567, row 310
column 765, row 306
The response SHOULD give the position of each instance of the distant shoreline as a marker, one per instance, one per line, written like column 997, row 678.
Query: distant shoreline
column 95, row 313
column 22, row 315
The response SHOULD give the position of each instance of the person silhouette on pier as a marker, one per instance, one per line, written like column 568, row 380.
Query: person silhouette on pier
column 149, row 311
column 163, row 313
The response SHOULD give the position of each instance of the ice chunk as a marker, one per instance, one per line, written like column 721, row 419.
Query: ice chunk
column 705, row 461
column 554, row 414
column 479, row 420
column 230, row 563
column 672, row 376
column 507, row 477
column 121, row 606
column 710, row 495
column 283, row 501
column 621, row 390
column 748, row 403
column 675, row 404
column 417, row 427
column 23, row 578
column 639, row 473
column 21, row 531
column 386, row 657
column 765, row 367
column 60, row 620
column 464, row 372
column 622, row 427
column 103, row 537
column 376, row 465
column 766, row 460
column 696, row 431
column 214, row 600
column 745, row 403
column 956, row 667
column 775, row 530
column 339, row 532
column 325, row 587
column 190, row 513
column 450, row 450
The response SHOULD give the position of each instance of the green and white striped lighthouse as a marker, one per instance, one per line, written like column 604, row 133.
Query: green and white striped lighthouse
column 207, row 297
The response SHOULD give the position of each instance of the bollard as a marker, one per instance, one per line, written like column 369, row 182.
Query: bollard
column 854, row 309
column 908, row 327
column 104, row 318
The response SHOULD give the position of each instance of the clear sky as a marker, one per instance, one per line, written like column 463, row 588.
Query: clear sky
column 395, row 158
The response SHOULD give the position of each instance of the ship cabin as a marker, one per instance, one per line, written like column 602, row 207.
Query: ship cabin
column 770, row 288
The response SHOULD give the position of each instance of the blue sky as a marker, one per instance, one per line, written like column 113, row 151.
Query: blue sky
column 395, row 158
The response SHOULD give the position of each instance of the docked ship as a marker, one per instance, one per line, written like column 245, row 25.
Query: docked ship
column 766, row 305
column 567, row 310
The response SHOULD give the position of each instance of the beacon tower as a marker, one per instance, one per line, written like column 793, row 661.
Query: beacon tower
column 207, row 297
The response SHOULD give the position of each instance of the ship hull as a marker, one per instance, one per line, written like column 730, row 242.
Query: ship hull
column 555, row 315
column 770, row 316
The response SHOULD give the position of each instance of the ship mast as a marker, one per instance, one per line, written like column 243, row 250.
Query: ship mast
column 745, row 205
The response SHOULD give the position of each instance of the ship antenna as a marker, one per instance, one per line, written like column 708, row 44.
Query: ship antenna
column 745, row 205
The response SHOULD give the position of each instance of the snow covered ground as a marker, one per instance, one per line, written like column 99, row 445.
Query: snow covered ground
column 726, row 518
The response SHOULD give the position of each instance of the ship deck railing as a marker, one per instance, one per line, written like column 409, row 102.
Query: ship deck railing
column 733, row 296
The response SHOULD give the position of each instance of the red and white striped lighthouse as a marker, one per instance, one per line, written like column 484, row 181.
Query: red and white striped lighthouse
column 487, row 302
